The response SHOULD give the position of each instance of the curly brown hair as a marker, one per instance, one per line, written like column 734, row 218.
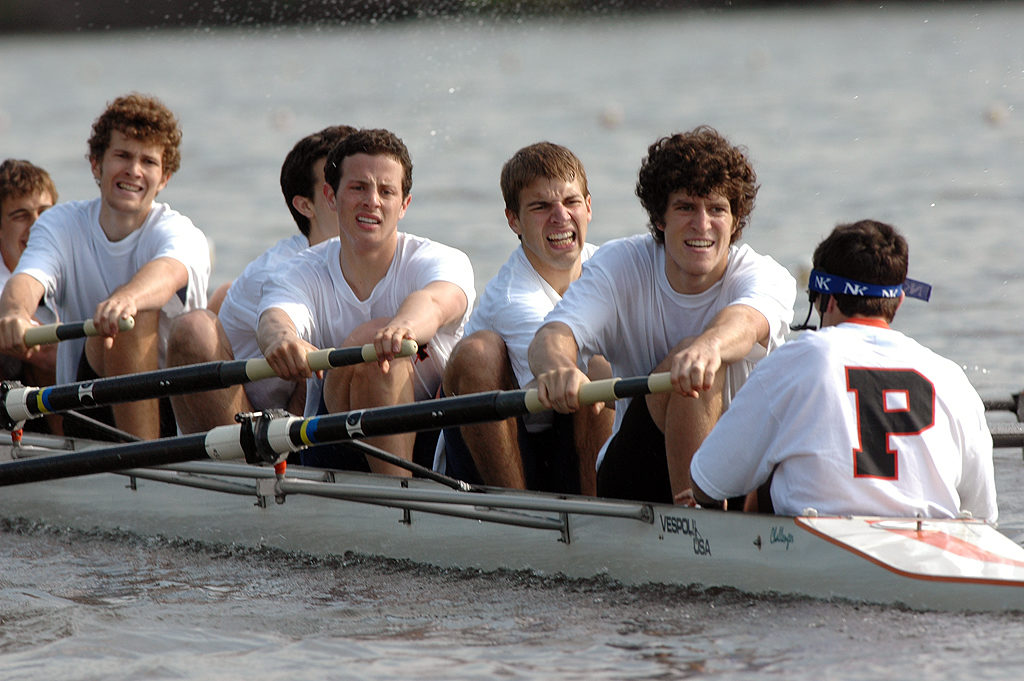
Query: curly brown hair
column 700, row 162
column 543, row 159
column 141, row 117
column 20, row 178
column 373, row 142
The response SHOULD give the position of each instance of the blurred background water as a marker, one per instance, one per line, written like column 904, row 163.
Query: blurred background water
column 908, row 114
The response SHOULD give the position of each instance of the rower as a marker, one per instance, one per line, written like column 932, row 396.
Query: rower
column 857, row 418
column 683, row 299
column 230, row 333
column 117, row 256
column 547, row 205
column 26, row 190
column 373, row 285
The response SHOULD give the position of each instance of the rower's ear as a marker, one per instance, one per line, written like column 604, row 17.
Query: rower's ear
column 513, row 221
column 330, row 195
column 303, row 205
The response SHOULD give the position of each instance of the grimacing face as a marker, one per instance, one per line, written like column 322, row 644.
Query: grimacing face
column 552, row 222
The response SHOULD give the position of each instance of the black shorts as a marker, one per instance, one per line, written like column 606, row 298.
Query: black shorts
column 635, row 465
column 549, row 457
column 76, row 428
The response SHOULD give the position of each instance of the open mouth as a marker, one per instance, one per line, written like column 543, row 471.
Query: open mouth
column 699, row 243
column 562, row 239
column 125, row 186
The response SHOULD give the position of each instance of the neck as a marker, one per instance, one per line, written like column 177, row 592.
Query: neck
column 833, row 317
column 363, row 271
column 868, row 321
column 557, row 278
column 317, row 234
column 117, row 225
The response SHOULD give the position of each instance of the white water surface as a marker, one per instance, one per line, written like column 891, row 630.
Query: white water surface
column 909, row 114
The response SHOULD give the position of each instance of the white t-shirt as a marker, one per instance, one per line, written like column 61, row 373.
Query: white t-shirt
column 44, row 313
column 313, row 292
column 514, row 304
column 79, row 267
column 238, row 317
column 624, row 308
column 238, row 311
column 855, row 419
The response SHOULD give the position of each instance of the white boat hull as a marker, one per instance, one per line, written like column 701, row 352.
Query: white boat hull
column 946, row 565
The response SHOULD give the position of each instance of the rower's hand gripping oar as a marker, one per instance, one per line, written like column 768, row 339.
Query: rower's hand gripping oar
column 54, row 333
column 18, row 403
column 266, row 438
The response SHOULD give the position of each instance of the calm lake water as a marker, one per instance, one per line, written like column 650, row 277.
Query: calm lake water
column 909, row 114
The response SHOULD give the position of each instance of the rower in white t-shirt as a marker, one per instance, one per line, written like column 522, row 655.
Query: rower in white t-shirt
column 230, row 332
column 373, row 285
column 856, row 418
column 118, row 256
column 547, row 205
column 683, row 299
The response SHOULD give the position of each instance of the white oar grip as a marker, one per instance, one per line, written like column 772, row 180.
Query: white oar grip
column 409, row 348
column 320, row 360
column 602, row 391
column 53, row 333
column 660, row 383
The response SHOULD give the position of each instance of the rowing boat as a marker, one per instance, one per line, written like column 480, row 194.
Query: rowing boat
column 921, row 564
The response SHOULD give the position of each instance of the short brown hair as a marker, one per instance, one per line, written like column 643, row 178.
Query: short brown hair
column 543, row 159
column 140, row 117
column 700, row 162
column 870, row 252
column 297, row 174
column 21, row 178
column 373, row 142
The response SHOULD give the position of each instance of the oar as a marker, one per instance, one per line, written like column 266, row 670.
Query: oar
column 267, row 438
column 54, row 333
column 20, row 404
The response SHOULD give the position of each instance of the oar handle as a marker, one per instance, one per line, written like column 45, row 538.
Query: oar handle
column 54, row 333
column 331, row 358
column 604, row 390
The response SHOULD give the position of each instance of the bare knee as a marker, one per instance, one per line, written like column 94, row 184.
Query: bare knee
column 478, row 362
column 364, row 333
column 194, row 337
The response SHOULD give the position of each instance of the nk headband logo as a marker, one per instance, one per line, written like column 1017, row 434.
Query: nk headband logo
column 832, row 284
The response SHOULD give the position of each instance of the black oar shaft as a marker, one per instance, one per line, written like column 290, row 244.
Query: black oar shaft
column 463, row 410
column 267, row 440
column 105, row 460
column 26, row 403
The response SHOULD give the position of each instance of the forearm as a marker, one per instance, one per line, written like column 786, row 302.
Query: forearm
column 18, row 303
column 553, row 347
column 281, row 345
column 153, row 285
column 734, row 331
column 425, row 311
column 21, row 296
